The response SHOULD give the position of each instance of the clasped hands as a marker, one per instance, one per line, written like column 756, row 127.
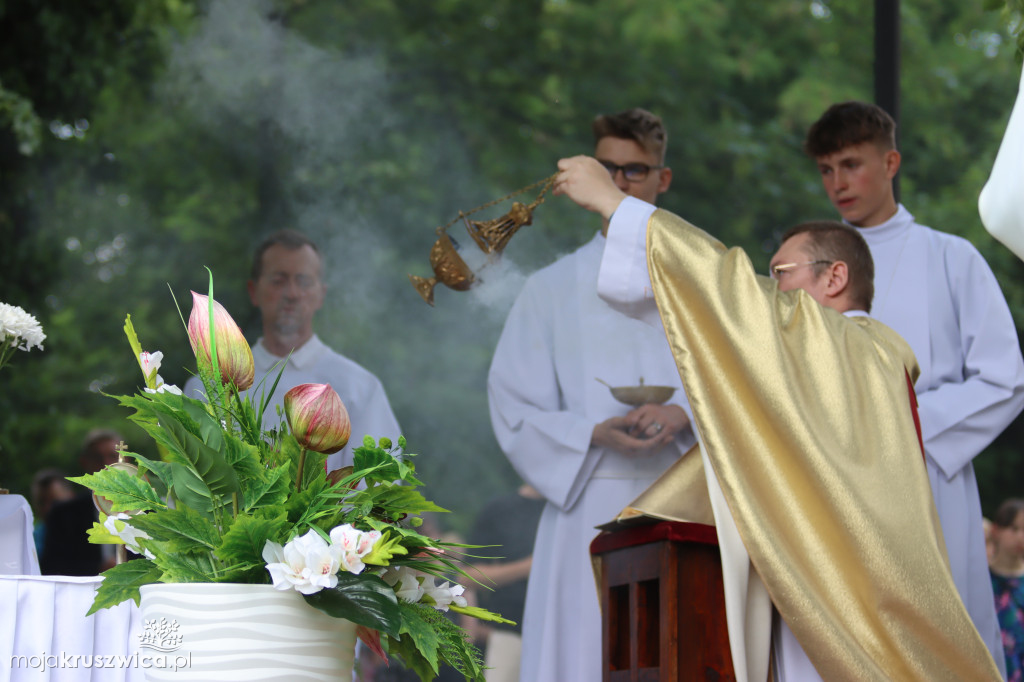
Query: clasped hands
column 642, row 431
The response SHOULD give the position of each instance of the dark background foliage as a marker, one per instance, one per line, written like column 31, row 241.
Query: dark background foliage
column 142, row 140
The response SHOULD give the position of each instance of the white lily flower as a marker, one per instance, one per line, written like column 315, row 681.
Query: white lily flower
column 305, row 564
column 350, row 546
column 118, row 525
column 405, row 581
column 443, row 595
column 161, row 387
column 150, row 362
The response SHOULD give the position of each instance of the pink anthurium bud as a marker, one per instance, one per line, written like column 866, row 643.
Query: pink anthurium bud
column 234, row 356
column 317, row 417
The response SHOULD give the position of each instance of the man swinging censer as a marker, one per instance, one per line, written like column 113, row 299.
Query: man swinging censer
column 492, row 236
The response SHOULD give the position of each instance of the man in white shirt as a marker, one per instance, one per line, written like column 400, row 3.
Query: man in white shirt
column 810, row 462
column 562, row 430
column 938, row 293
column 285, row 284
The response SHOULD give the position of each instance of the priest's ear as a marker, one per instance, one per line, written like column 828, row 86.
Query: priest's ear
column 838, row 283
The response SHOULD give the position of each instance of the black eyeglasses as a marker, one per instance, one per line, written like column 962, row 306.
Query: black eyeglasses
column 633, row 172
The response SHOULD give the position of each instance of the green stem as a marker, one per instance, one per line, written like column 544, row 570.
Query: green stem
column 298, row 473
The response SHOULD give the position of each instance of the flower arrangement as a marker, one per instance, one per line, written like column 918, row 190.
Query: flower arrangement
column 231, row 501
column 18, row 331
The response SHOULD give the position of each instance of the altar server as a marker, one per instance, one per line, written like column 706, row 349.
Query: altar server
column 938, row 293
column 562, row 430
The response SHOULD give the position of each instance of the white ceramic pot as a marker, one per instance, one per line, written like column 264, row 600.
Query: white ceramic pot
column 229, row 632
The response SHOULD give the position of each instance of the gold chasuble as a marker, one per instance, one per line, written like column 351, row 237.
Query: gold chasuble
column 805, row 416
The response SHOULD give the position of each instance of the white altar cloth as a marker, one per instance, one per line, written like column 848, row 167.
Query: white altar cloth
column 45, row 635
column 17, row 546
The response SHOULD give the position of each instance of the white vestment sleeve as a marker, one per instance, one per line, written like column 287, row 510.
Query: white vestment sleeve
column 1000, row 205
column 625, row 282
column 547, row 445
column 963, row 414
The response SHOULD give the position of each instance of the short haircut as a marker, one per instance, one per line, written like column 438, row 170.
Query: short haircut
column 847, row 124
column 1008, row 512
column 96, row 436
column 635, row 124
column 832, row 241
column 290, row 239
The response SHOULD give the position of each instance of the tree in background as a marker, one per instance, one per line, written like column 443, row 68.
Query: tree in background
column 366, row 125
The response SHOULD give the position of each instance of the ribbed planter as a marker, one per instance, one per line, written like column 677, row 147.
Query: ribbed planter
column 243, row 633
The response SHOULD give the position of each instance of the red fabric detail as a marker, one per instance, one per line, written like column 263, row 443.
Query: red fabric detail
column 672, row 531
column 913, row 411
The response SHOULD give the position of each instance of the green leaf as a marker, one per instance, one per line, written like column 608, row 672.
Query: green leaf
column 178, row 530
column 191, row 567
column 404, row 648
column 244, row 541
column 423, row 635
column 386, row 548
column 126, row 491
column 122, row 582
column 272, row 490
column 482, row 614
column 190, row 489
column 363, row 599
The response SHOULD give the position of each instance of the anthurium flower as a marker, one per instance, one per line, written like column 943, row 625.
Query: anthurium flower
column 317, row 417
column 234, row 356
column 351, row 545
column 305, row 564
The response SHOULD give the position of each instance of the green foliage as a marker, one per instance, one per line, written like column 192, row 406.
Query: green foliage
column 368, row 124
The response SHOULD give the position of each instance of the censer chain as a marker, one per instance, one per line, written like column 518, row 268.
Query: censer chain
column 547, row 182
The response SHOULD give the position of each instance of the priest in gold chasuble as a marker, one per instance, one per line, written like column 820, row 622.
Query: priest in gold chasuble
column 811, row 460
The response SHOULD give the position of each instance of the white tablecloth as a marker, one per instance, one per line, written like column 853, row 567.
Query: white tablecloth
column 45, row 635
column 17, row 548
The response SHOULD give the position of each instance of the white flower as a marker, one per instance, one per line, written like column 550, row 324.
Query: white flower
column 413, row 586
column 150, row 362
column 117, row 525
column 161, row 387
column 305, row 564
column 350, row 546
column 19, row 328
column 405, row 581
column 443, row 595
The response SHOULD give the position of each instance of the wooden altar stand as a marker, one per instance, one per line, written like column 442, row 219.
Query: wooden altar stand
column 662, row 603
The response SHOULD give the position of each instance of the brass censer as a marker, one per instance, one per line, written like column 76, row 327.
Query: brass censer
column 492, row 236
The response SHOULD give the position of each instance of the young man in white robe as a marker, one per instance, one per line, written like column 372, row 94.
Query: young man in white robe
column 938, row 293
column 562, row 430
column 810, row 464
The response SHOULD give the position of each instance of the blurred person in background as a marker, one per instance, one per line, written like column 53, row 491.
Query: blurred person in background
column 1007, row 571
column 49, row 487
column 286, row 285
column 66, row 546
column 508, row 522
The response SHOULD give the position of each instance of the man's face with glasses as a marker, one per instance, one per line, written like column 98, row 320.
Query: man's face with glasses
column 635, row 171
column 794, row 268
